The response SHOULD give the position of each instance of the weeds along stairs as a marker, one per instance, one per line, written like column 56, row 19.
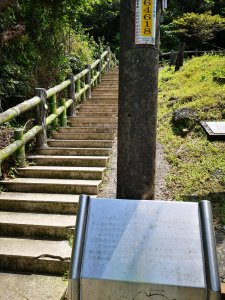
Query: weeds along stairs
column 38, row 211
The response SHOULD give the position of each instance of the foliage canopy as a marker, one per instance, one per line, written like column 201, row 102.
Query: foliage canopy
column 42, row 54
column 195, row 28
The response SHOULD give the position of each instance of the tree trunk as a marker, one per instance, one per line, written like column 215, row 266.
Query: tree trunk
column 4, row 4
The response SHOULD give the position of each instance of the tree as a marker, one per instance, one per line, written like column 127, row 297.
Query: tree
column 196, row 29
column 177, row 8
column 36, row 41
column 200, row 6
column 102, row 19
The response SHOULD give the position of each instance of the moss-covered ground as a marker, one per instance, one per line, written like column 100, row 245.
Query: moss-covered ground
column 197, row 164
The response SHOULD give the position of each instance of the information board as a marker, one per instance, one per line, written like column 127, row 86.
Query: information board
column 139, row 249
column 137, row 246
column 217, row 127
column 145, row 27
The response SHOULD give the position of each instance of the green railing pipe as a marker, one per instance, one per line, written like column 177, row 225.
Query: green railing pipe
column 95, row 64
column 59, row 111
column 17, row 110
column 29, row 135
column 16, row 145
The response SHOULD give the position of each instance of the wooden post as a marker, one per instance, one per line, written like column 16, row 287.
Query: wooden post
column 173, row 56
column 71, row 95
column 100, row 70
column 92, row 77
column 108, row 58
column 20, row 153
column 63, row 116
column 138, row 90
column 96, row 80
column 77, row 87
column 180, row 56
column 88, row 81
column 40, row 118
column 82, row 86
column 53, row 109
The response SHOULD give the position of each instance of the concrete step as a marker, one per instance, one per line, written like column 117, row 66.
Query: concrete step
column 74, row 151
column 86, row 130
column 39, row 202
column 75, row 161
column 108, row 85
column 44, row 185
column 82, row 136
column 21, row 286
column 100, row 104
column 111, row 82
column 103, row 94
column 98, row 109
column 85, row 173
column 92, row 121
column 94, row 110
column 106, row 99
column 96, row 102
column 112, row 77
column 53, row 226
column 90, row 107
column 86, row 114
column 34, row 255
column 94, row 125
column 81, row 123
column 106, row 88
column 81, row 143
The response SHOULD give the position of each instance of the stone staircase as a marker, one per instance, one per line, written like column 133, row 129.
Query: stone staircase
column 38, row 211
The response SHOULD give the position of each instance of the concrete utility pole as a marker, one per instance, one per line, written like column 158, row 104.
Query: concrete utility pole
column 138, row 77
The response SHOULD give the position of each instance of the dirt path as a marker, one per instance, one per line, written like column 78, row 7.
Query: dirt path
column 162, row 167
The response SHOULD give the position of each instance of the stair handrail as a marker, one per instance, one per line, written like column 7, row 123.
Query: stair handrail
column 78, row 89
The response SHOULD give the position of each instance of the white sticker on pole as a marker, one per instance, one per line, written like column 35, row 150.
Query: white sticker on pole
column 145, row 29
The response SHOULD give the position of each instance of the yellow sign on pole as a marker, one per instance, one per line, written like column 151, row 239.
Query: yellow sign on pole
column 145, row 29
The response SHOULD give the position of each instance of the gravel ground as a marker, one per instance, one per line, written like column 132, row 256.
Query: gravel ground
column 161, row 193
column 108, row 189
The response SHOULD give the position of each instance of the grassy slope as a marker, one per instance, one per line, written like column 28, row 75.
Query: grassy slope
column 197, row 165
